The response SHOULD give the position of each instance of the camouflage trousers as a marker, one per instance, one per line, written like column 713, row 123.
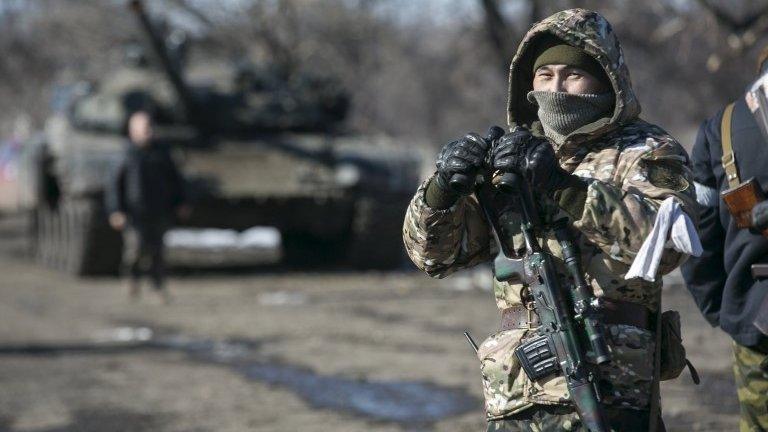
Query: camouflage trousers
column 555, row 418
column 751, row 370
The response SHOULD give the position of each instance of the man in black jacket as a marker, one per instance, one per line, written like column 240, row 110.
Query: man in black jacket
column 721, row 281
column 143, row 199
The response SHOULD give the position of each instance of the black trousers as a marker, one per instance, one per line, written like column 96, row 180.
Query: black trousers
column 143, row 251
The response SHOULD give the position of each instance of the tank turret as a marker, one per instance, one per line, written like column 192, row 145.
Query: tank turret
column 264, row 99
column 258, row 145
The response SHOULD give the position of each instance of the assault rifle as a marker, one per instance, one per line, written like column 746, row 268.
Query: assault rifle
column 570, row 322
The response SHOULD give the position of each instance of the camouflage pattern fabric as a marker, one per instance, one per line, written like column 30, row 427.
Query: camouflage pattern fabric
column 622, row 201
column 592, row 33
column 441, row 241
column 631, row 166
column 751, row 370
column 555, row 419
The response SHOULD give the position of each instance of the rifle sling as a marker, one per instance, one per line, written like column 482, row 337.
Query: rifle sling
column 729, row 158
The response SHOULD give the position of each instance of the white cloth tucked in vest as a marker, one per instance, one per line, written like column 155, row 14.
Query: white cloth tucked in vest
column 671, row 224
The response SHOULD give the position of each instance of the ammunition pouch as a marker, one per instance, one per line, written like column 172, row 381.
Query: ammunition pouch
column 672, row 351
column 538, row 357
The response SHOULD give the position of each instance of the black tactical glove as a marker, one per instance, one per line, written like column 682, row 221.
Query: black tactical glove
column 508, row 155
column 462, row 157
column 543, row 171
column 533, row 157
column 458, row 160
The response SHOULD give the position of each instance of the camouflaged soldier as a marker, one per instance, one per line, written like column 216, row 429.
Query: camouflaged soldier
column 608, row 171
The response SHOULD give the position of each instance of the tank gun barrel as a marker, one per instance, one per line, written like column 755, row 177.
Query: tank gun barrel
column 171, row 70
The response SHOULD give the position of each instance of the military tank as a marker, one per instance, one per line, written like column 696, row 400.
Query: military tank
column 267, row 148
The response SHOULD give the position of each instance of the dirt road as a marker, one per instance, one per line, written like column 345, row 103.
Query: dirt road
column 277, row 351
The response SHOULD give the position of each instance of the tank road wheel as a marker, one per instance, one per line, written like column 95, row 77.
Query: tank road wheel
column 375, row 240
column 48, row 237
column 72, row 217
column 22, row 226
column 43, row 236
column 76, row 238
column 34, row 235
column 59, row 255
column 92, row 247
column 37, row 238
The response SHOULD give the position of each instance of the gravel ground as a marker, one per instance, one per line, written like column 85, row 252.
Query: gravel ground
column 277, row 351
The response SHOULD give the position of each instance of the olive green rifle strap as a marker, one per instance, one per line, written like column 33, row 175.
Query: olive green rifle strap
column 729, row 159
column 654, row 413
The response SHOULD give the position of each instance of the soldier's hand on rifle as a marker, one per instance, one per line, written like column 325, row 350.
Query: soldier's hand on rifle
column 523, row 153
column 459, row 162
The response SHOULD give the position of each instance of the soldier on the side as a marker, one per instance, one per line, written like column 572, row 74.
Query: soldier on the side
column 729, row 282
column 142, row 200
column 576, row 137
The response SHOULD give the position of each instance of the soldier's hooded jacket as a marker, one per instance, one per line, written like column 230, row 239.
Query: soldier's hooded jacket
column 631, row 166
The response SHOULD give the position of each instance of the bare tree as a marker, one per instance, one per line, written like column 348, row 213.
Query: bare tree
column 418, row 79
column 742, row 33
